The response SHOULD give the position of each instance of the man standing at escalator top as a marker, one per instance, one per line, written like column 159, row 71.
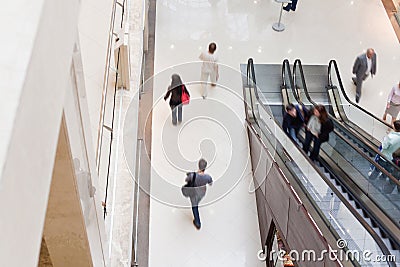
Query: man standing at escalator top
column 363, row 66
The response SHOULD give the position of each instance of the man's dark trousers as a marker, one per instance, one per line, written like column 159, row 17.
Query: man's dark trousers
column 196, row 215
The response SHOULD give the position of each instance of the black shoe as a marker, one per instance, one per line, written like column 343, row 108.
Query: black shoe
column 287, row 8
column 357, row 99
column 197, row 226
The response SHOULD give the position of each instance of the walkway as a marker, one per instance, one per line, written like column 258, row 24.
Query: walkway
column 214, row 128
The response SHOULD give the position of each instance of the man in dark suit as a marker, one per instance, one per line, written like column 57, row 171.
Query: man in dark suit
column 363, row 66
column 199, row 182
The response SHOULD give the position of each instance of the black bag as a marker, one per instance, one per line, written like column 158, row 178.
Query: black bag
column 188, row 188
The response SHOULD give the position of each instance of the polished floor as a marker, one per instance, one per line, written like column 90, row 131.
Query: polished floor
column 214, row 128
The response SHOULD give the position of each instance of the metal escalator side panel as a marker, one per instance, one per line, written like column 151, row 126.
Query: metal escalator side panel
column 336, row 105
column 356, row 181
column 285, row 97
column 282, row 202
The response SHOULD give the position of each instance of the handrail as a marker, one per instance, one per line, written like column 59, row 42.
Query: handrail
column 105, row 81
column 286, row 66
column 251, row 82
column 297, row 64
column 101, row 127
column 136, row 201
column 334, row 63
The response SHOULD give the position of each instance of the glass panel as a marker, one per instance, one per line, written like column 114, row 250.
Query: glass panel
column 77, row 141
column 379, row 189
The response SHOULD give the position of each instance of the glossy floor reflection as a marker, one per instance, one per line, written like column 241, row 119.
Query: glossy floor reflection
column 317, row 32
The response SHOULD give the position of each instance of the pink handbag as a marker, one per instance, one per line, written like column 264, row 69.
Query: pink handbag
column 185, row 96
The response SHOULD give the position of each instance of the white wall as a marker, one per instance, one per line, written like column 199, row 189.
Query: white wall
column 33, row 99
column 14, row 60
column 93, row 27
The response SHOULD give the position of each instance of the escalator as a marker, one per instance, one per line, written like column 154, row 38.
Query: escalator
column 265, row 108
column 349, row 159
column 322, row 89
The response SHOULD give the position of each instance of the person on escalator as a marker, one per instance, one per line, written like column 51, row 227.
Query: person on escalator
column 393, row 103
column 293, row 120
column 390, row 144
column 318, row 128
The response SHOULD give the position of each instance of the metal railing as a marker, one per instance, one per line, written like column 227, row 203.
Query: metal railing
column 112, row 39
column 336, row 69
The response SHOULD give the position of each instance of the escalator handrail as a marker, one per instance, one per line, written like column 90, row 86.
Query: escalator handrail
column 334, row 63
column 298, row 64
column 360, row 137
column 251, row 82
column 366, row 226
column 286, row 70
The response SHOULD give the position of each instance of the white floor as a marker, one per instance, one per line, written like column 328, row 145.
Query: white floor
column 214, row 128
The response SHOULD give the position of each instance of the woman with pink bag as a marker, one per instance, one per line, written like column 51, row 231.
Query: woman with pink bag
column 178, row 92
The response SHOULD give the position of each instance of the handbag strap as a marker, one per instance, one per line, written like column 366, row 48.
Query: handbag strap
column 193, row 179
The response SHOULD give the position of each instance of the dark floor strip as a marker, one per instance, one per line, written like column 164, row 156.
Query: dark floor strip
column 144, row 136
